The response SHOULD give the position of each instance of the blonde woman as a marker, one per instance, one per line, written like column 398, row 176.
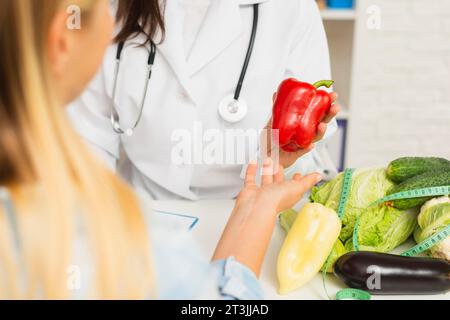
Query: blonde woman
column 63, row 214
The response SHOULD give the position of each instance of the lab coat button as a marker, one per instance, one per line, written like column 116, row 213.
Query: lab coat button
column 183, row 95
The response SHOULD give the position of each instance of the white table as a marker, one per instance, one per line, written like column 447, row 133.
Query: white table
column 213, row 216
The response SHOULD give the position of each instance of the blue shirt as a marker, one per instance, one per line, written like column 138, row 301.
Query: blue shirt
column 182, row 270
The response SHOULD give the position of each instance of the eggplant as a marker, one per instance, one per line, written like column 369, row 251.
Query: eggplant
column 387, row 274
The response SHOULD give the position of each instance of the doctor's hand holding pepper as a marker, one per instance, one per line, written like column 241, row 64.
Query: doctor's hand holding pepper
column 289, row 115
column 214, row 64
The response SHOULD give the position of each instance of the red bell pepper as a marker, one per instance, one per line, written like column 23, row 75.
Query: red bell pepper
column 298, row 110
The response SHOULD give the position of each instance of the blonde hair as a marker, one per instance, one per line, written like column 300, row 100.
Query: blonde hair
column 55, row 183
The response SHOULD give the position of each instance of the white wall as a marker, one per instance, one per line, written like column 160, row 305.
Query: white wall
column 400, row 101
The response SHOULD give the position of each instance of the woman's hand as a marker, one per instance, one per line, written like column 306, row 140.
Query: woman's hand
column 287, row 159
column 249, row 229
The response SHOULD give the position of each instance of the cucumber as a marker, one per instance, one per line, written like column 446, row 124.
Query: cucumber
column 404, row 168
column 435, row 178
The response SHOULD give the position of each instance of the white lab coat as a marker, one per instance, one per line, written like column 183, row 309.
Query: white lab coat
column 290, row 42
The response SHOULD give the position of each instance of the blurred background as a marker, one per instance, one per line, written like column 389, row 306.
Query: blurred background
column 391, row 64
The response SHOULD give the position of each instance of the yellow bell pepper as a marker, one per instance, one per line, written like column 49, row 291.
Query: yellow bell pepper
column 307, row 246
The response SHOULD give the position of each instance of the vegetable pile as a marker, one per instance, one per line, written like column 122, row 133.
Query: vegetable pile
column 382, row 228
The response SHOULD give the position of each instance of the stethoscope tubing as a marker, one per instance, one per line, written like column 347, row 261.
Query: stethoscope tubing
column 248, row 56
column 115, row 119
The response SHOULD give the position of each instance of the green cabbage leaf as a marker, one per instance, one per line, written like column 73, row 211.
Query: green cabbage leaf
column 383, row 228
column 368, row 185
column 433, row 217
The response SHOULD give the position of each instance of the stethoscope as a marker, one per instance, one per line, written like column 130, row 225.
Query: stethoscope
column 232, row 108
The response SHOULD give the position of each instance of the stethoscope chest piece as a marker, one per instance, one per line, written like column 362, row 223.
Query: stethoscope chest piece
column 129, row 132
column 232, row 110
column 116, row 126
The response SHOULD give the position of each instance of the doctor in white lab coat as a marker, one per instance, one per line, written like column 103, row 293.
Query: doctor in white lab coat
column 197, row 64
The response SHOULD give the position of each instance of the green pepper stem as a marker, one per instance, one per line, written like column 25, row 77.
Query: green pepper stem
column 323, row 83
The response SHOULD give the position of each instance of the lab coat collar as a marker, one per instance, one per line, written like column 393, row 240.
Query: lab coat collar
column 171, row 48
column 221, row 27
